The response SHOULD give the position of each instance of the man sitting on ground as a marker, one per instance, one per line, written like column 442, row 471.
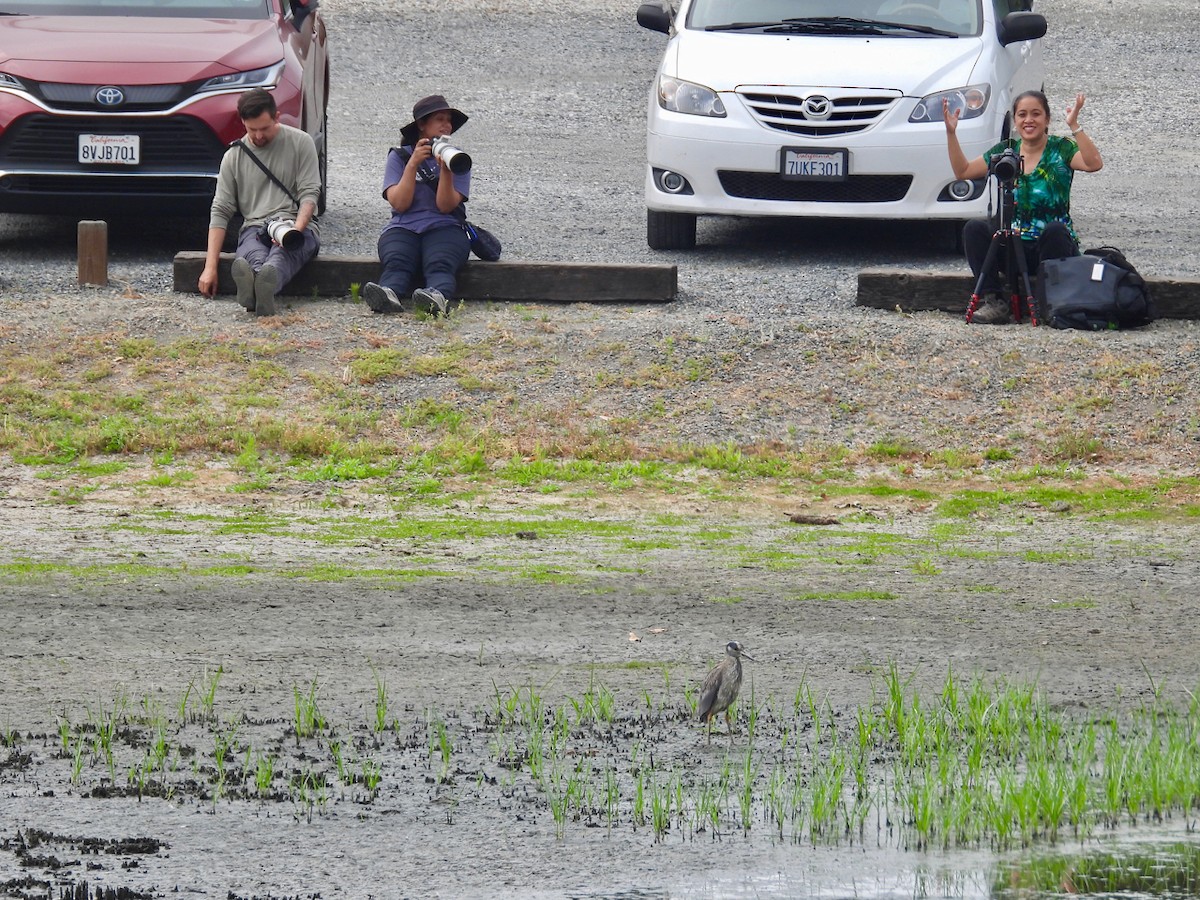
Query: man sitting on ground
column 277, row 179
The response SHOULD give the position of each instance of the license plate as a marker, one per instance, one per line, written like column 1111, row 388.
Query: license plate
column 814, row 165
column 110, row 149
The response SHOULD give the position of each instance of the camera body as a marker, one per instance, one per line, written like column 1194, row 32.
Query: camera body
column 282, row 232
column 1006, row 166
column 457, row 161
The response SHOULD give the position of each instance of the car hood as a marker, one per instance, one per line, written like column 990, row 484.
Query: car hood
column 913, row 66
column 131, row 50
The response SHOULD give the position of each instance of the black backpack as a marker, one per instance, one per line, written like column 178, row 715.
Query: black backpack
column 1098, row 291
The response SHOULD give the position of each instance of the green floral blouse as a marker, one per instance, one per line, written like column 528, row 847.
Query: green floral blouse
column 1043, row 195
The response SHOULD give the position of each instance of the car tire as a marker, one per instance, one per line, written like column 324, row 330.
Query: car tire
column 670, row 230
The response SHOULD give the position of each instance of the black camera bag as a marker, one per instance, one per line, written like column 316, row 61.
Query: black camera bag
column 1098, row 291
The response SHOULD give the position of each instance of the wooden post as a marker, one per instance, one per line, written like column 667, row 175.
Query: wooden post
column 93, row 252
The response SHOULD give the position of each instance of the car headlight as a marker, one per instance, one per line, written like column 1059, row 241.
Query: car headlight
column 972, row 100
column 255, row 78
column 692, row 99
column 8, row 81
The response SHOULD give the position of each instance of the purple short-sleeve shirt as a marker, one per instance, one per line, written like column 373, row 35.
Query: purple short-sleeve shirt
column 422, row 215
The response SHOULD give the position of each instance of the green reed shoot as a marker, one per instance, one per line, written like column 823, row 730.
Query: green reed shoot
column 264, row 773
column 612, row 795
column 441, row 747
column 660, row 809
column 746, row 795
column 185, row 701
column 339, row 763
column 371, row 776
column 77, row 760
column 64, row 735
column 381, row 701
column 208, row 692
column 308, row 718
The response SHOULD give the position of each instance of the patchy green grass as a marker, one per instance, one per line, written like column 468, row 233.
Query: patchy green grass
column 844, row 595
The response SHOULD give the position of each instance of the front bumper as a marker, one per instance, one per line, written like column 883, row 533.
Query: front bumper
column 895, row 169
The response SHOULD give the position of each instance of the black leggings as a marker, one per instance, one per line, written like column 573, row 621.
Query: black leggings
column 1055, row 242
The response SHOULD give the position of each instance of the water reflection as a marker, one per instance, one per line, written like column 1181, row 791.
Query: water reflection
column 1107, row 871
column 1156, row 871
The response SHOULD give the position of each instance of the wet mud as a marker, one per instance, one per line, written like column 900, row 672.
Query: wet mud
column 264, row 735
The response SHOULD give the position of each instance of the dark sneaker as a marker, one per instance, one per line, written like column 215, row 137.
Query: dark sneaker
column 243, row 277
column 266, row 284
column 993, row 311
column 381, row 299
column 431, row 299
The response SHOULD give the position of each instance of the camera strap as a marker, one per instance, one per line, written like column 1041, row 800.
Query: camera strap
column 262, row 165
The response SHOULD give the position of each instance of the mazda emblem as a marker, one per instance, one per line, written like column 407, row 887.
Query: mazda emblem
column 110, row 96
column 817, row 107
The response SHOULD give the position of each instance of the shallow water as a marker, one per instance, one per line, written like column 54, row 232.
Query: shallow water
column 248, row 849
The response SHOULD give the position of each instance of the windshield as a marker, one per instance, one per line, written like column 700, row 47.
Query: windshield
column 178, row 9
column 839, row 17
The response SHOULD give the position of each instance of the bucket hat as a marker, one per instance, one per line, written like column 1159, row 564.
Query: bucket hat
column 427, row 106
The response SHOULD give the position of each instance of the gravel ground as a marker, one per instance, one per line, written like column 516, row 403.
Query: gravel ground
column 557, row 98
column 557, row 102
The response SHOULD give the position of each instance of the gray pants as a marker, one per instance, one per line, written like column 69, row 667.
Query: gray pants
column 286, row 262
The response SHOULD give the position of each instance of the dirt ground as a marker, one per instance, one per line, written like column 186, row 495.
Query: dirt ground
column 1092, row 610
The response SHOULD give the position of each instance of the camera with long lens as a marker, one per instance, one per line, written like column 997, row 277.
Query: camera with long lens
column 1006, row 166
column 282, row 232
column 457, row 161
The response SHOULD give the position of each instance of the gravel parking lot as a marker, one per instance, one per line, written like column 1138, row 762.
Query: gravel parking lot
column 557, row 96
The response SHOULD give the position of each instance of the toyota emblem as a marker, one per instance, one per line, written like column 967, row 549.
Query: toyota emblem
column 817, row 107
column 110, row 96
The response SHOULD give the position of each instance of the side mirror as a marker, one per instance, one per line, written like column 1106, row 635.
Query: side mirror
column 655, row 17
column 1021, row 26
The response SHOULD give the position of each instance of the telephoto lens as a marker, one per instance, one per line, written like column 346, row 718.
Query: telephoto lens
column 285, row 234
column 457, row 161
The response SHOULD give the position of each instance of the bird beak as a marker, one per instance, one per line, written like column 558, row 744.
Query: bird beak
column 746, row 655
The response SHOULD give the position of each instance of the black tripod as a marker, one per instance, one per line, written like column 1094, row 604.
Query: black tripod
column 1008, row 241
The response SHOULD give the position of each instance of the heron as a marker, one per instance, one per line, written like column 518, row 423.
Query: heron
column 721, row 686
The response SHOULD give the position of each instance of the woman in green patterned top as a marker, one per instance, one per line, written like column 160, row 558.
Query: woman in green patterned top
column 1042, row 217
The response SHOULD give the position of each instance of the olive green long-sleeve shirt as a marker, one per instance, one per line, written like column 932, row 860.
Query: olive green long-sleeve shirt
column 242, row 186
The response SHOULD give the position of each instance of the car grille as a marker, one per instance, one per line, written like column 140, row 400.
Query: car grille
column 847, row 113
column 855, row 189
column 175, row 143
column 138, row 98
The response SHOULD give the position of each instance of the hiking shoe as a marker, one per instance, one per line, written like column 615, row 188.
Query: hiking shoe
column 266, row 283
column 993, row 311
column 381, row 299
column 431, row 299
column 243, row 277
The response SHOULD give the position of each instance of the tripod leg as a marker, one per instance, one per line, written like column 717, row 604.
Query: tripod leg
column 989, row 261
column 1023, row 268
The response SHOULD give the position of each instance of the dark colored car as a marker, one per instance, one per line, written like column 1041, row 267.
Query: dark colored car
column 116, row 103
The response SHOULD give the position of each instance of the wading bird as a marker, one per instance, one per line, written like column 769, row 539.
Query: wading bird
column 721, row 686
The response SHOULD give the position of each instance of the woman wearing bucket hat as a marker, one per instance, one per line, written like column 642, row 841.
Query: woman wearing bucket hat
column 424, row 242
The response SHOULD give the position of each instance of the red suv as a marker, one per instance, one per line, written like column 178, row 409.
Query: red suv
column 111, row 103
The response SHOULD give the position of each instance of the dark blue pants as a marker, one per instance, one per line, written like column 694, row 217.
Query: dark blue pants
column 1055, row 242
column 436, row 255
